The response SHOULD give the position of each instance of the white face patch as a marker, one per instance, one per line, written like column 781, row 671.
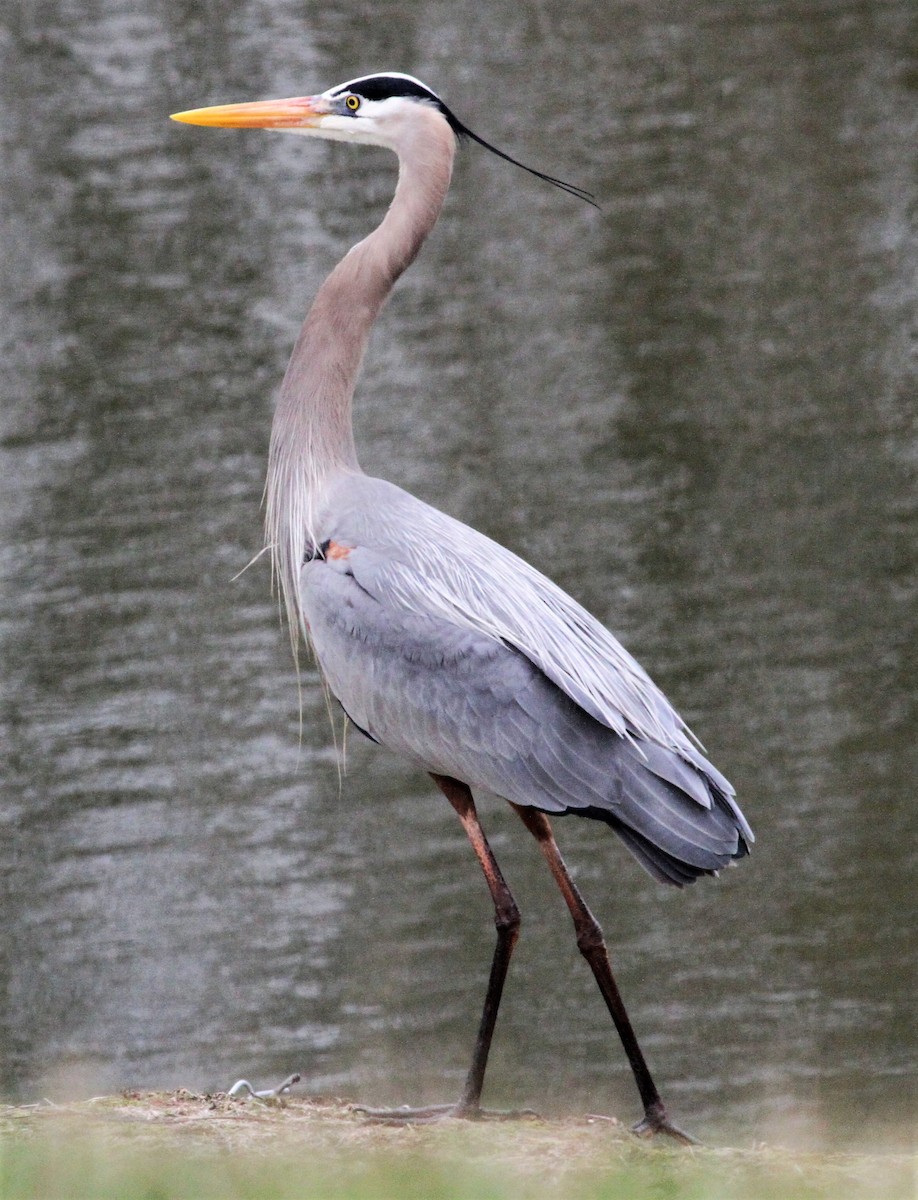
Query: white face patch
column 345, row 129
column 374, row 123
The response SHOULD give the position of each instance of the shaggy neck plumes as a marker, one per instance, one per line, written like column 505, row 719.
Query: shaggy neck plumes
column 312, row 439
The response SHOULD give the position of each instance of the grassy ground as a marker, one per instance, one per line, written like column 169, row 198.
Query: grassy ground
column 153, row 1146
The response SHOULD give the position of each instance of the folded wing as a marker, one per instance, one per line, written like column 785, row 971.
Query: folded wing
column 445, row 646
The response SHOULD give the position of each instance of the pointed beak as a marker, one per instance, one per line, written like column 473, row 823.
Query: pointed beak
column 301, row 112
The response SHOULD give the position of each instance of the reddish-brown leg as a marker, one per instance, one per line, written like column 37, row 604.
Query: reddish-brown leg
column 507, row 922
column 593, row 948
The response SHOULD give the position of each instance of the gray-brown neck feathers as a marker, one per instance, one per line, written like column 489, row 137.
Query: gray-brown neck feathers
column 312, row 438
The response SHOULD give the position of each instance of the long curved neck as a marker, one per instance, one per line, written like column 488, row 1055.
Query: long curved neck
column 312, row 436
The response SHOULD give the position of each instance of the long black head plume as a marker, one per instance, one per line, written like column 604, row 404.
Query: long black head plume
column 387, row 84
column 463, row 131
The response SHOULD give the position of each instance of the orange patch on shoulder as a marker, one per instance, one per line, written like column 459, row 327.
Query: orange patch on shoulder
column 336, row 550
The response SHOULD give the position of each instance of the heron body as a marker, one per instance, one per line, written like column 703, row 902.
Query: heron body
column 444, row 646
column 440, row 643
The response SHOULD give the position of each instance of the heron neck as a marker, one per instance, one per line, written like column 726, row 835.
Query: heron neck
column 312, row 436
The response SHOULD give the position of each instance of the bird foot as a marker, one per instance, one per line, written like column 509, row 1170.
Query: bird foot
column 656, row 1121
column 432, row 1113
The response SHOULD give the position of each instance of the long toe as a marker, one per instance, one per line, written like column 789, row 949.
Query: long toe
column 431, row 1113
column 406, row 1115
column 655, row 1121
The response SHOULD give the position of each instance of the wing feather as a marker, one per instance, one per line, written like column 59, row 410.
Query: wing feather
column 451, row 602
column 424, row 561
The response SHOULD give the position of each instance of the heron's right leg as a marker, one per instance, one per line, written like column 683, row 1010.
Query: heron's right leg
column 593, row 948
column 507, row 922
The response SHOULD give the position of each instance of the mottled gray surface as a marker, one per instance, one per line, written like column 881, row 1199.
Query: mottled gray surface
column 695, row 410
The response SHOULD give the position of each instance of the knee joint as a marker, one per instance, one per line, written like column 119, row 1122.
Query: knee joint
column 507, row 920
column 590, row 938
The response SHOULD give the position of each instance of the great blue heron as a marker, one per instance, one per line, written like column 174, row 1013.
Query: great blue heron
column 438, row 642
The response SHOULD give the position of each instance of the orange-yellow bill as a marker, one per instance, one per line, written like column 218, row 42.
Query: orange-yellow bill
column 301, row 112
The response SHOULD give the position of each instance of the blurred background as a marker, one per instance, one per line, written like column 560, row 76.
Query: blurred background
column 695, row 409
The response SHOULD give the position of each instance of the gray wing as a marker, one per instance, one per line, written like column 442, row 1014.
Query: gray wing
column 422, row 561
column 466, row 701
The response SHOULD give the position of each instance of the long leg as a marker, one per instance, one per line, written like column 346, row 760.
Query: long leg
column 507, row 922
column 592, row 946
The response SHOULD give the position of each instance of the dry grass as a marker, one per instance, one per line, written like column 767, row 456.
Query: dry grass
column 158, row 1146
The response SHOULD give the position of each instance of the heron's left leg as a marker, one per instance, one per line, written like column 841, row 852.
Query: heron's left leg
column 592, row 946
column 507, row 923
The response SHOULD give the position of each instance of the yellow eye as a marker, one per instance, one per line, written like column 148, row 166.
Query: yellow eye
column 353, row 103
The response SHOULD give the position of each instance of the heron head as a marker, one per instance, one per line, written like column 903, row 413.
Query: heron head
column 375, row 109
column 370, row 109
